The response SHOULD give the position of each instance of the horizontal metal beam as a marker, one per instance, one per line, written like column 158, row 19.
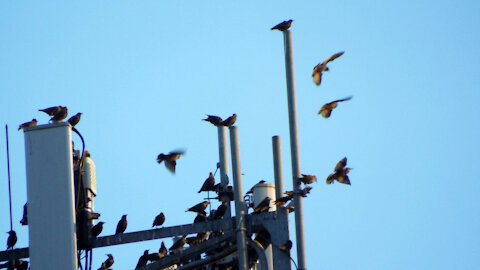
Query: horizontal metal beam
column 18, row 253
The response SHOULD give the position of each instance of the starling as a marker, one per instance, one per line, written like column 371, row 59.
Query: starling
column 12, row 239
column 287, row 246
column 202, row 236
column 209, row 184
column 143, row 260
column 200, row 218
column 122, row 225
column 230, row 121
column 305, row 191
column 170, row 159
column 159, row 220
column 28, row 124
column 282, row 26
column 153, row 257
column 97, row 229
column 163, row 250
column 179, row 243
column 107, row 263
column 340, row 174
column 59, row 116
column 263, row 206
column 215, row 120
column 318, row 69
column 74, row 119
column 220, row 210
column 51, row 111
column 326, row 109
column 199, row 208
column 259, row 183
column 24, row 220
column 191, row 241
column 283, row 200
column 308, row 179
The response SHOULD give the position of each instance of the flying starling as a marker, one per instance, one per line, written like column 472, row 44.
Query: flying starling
column 122, row 225
column 308, row 179
column 318, row 69
column 230, row 121
column 12, row 239
column 74, row 119
column 209, row 184
column 340, row 173
column 51, row 111
column 287, row 246
column 28, row 124
column 215, row 120
column 142, row 261
column 283, row 200
column 59, row 116
column 220, row 210
column 97, row 229
column 282, row 26
column 179, row 243
column 108, row 262
column 263, row 206
column 170, row 159
column 326, row 109
column 199, row 208
column 159, row 220
column 259, row 183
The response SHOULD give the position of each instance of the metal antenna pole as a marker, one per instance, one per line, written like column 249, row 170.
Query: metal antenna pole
column 9, row 188
column 239, row 203
column 292, row 115
column 222, row 153
column 277, row 166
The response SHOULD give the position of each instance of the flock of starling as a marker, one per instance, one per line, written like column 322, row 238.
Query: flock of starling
column 57, row 114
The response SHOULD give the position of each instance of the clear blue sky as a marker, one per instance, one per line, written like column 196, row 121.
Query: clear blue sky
column 145, row 73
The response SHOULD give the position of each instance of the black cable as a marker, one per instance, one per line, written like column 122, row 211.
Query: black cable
column 9, row 185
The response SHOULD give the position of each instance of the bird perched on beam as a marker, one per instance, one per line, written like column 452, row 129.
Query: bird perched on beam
column 121, row 225
column 199, row 208
column 179, row 243
column 220, row 210
column 163, row 250
column 170, row 159
column 159, row 220
column 74, row 119
column 209, row 184
column 326, row 109
column 263, row 206
column 61, row 115
column 200, row 218
column 308, row 179
column 28, row 124
column 230, row 121
column 51, row 111
column 340, row 173
column 107, row 263
column 321, row 67
column 143, row 260
column 214, row 120
column 12, row 239
column 282, row 26
column 97, row 229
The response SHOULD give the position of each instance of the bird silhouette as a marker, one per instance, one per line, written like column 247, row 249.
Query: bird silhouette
column 143, row 260
column 179, row 243
column 308, row 179
column 12, row 239
column 220, row 212
column 209, row 184
column 259, row 183
column 200, row 218
column 60, row 115
column 97, row 229
column 230, row 121
column 74, row 119
column 326, row 109
column 51, row 111
column 263, row 206
column 163, row 250
column 340, row 173
column 283, row 200
column 199, row 208
column 159, row 220
column 287, row 246
column 24, row 220
column 321, row 67
column 121, row 225
column 214, row 120
column 282, row 26
column 28, row 124
column 107, row 263
column 170, row 159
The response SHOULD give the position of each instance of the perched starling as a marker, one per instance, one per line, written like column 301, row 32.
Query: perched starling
column 51, row 111
column 283, row 200
column 202, row 236
column 107, row 263
column 209, row 184
column 159, row 220
column 179, row 243
column 199, row 208
column 215, row 120
column 24, row 220
column 326, row 109
column 230, row 121
column 308, row 179
column 142, row 261
column 97, row 229
column 287, row 246
column 122, row 225
column 12, row 239
column 340, row 174
column 59, row 116
column 191, row 241
column 259, row 183
column 28, row 124
column 74, row 119
column 220, row 210
column 200, row 218
column 263, row 206
column 163, row 250
column 318, row 69
column 153, row 257
column 170, row 159
column 283, row 25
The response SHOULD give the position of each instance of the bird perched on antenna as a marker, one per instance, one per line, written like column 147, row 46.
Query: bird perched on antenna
column 159, row 220
column 12, row 239
column 199, row 208
column 326, row 109
column 209, row 184
column 321, row 67
column 121, row 225
column 214, row 120
column 263, row 206
column 340, row 173
column 28, row 124
column 282, row 26
column 230, row 121
column 74, row 119
column 170, row 159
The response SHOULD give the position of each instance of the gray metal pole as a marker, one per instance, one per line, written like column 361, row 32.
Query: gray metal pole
column 277, row 166
column 292, row 115
column 239, row 203
column 223, row 157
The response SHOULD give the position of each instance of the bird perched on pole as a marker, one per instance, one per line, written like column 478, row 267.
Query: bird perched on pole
column 170, row 159
column 340, row 173
column 282, row 26
column 61, row 115
column 326, row 109
column 308, row 179
column 97, row 229
column 220, row 212
column 24, row 220
column 230, row 121
column 107, row 263
column 51, row 111
column 28, row 124
column 209, row 183
column 200, row 218
column 214, row 120
column 122, row 225
column 199, row 208
column 159, row 220
column 12, row 239
column 321, row 67
column 179, row 243
column 263, row 206
column 74, row 119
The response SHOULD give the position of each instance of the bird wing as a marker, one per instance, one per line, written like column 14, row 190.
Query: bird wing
column 330, row 178
column 341, row 165
column 333, row 57
column 170, row 164
column 317, row 77
column 341, row 100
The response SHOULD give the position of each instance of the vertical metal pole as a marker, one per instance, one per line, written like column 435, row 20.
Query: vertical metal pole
column 239, row 203
column 222, row 153
column 292, row 115
column 277, row 166
column 9, row 187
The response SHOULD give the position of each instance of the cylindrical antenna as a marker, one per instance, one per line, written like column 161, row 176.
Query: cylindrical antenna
column 223, row 156
column 277, row 166
column 9, row 185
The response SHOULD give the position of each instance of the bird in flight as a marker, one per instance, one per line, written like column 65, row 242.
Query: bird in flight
column 340, row 173
column 321, row 67
column 327, row 109
column 170, row 159
column 282, row 26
